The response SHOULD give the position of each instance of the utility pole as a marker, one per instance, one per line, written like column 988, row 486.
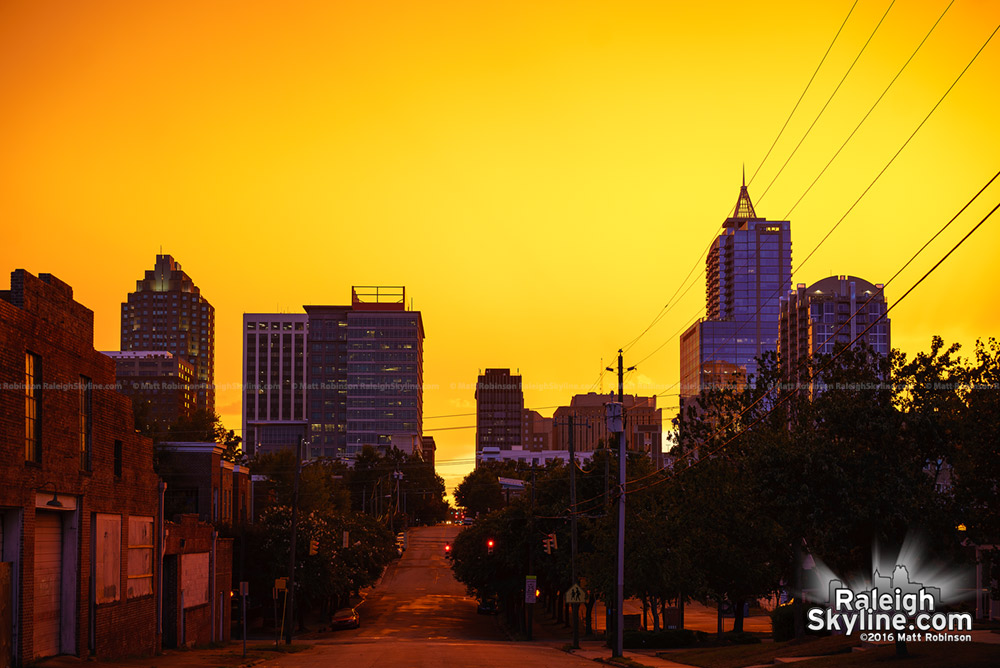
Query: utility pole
column 291, row 552
column 620, row 584
column 572, row 542
column 530, row 612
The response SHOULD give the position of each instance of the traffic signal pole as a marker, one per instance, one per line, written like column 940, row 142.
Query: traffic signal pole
column 572, row 540
column 291, row 553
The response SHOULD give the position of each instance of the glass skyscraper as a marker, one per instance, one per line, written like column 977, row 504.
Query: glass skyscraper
column 748, row 270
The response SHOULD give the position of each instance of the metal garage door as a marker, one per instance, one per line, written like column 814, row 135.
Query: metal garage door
column 48, row 582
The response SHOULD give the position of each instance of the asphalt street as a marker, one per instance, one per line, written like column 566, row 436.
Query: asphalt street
column 419, row 615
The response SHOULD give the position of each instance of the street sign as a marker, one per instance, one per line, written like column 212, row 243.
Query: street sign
column 244, row 588
column 613, row 417
column 530, row 584
column 281, row 584
column 576, row 595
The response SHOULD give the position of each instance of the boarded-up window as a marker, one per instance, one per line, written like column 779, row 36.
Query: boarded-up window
column 194, row 578
column 140, row 556
column 108, row 548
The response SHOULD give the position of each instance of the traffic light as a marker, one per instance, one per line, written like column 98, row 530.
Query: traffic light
column 547, row 545
column 489, row 546
column 313, row 547
column 552, row 541
column 447, row 550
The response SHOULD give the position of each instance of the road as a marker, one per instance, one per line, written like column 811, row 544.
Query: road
column 419, row 615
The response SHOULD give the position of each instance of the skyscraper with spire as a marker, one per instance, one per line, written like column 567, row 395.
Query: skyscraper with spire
column 168, row 312
column 747, row 271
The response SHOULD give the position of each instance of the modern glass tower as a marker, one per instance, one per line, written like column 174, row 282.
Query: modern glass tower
column 748, row 270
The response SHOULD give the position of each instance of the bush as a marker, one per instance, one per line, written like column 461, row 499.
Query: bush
column 669, row 639
column 783, row 623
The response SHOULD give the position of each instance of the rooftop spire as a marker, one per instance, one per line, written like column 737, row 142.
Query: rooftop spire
column 744, row 207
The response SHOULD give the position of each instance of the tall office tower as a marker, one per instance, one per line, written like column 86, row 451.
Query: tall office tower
column 159, row 384
column 748, row 270
column 364, row 365
column 818, row 318
column 274, row 380
column 367, row 361
column 499, row 408
column 167, row 312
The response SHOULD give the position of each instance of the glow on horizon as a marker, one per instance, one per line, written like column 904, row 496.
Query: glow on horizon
column 541, row 177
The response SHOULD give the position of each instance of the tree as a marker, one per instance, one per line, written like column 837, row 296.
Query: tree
column 479, row 492
column 205, row 426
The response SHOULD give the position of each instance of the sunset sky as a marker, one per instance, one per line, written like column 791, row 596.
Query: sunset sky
column 541, row 176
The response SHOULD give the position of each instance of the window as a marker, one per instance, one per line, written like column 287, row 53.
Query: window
column 108, row 553
column 32, row 408
column 195, row 578
column 140, row 556
column 118, row 459
column 86, row 421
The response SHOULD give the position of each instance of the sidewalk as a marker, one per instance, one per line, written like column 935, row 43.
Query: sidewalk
column 228, row 656
column 596, row 650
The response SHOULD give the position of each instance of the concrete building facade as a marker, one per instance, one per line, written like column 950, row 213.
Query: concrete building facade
column 499, row 409
column 362, row 379
column 275, row 349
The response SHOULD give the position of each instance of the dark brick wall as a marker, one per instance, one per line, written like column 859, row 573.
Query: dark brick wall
column 39, row 315
column 188, row 535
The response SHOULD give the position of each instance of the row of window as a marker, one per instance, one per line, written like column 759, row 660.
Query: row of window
column 85, row 422
column 276, row 326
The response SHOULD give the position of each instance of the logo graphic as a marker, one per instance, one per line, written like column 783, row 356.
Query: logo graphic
column 889, row 608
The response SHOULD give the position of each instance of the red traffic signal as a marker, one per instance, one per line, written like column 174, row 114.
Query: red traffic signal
column 489, row 546
column 447, row 547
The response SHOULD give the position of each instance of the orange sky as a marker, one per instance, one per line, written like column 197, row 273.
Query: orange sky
column 540, row 176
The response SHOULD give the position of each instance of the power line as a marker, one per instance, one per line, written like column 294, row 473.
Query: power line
column 742, row 324
column 806, row 89
column 865, row 117
column 834, row 357
column 829, row 99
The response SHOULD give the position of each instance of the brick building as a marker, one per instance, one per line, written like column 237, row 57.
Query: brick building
column 197, row 581
column 80, row 499
column 201, row 483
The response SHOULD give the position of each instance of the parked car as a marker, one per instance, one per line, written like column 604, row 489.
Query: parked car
column 488, row 606
column 345, row 618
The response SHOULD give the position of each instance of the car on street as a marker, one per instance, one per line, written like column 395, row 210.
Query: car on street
column 488, row 606
column 345, row 618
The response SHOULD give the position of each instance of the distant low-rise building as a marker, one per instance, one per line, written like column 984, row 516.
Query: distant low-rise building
column 159, row 383
column 643, row 425
column 201, row 483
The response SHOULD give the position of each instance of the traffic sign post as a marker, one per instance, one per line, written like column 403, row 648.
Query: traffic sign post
column 575, row 596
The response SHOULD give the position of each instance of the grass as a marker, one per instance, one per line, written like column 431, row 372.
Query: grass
column 738, row 656
column 922, row 655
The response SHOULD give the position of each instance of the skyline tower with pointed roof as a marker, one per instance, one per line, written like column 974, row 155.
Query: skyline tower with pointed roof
column 748, row 270
column 167, row 312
